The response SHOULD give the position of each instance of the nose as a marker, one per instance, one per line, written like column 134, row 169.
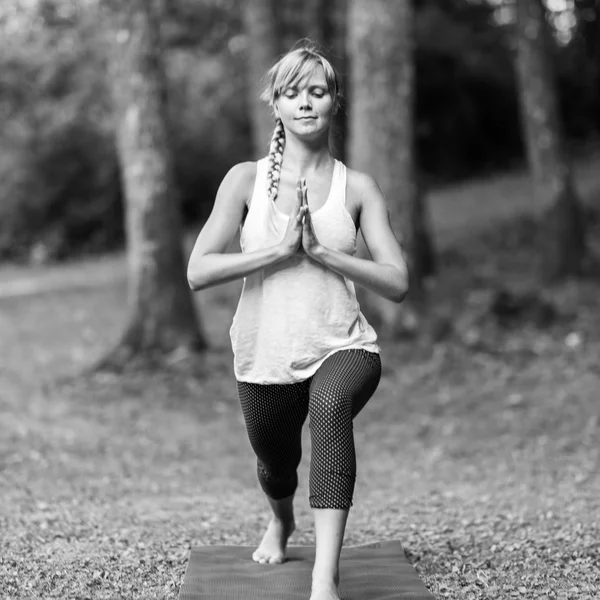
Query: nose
column 304, row 100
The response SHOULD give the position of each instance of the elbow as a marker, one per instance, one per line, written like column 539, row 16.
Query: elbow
column 192, row 284
column 400, row 291
column 399, row 296
column 197, row 275
column 194, row 281
column 196, row 285
column 395, row 287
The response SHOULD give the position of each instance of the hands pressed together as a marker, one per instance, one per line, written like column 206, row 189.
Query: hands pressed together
column 300, row 233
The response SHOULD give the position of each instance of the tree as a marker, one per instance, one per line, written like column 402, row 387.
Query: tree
column 587, row 13
column 304, row 19
column 315, row 11
column 162, row 316
column 563, row 229
column 262, row 32
column 381, row 136
column 334, row 32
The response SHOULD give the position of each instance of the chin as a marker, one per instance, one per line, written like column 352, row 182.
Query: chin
column 312, row 131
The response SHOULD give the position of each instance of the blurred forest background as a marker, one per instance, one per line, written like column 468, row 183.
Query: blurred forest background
column 59, row 178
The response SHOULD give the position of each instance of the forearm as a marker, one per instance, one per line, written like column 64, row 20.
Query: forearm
column 214, row 269
column 386, row 280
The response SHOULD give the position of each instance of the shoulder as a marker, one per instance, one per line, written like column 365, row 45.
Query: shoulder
column 238, row 184
column 241, row 175
column 362, row 188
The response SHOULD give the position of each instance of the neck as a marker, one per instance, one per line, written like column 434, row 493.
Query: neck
column 306, row 156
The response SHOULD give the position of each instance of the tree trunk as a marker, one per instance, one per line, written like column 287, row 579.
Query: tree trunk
column 314, row 19
column 381, row 137
column 563, row 230
column 334, row 31
column 162, row 316
column 261, row 28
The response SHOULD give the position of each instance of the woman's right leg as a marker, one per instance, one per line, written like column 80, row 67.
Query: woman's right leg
column 274, row 416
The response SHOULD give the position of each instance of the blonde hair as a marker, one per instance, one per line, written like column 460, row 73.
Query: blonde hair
column 289, row 70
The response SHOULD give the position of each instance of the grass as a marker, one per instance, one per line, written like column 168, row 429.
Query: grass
column 483, row 460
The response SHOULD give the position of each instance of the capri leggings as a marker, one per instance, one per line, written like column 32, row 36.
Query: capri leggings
column 333, row 396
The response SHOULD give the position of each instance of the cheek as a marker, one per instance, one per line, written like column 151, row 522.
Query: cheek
column 286, row 110
column 326, row 109
column 325, row 105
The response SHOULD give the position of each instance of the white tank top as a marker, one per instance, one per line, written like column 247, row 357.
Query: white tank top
column 294, row 314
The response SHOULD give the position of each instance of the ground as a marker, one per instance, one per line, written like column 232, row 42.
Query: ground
column 480, row 452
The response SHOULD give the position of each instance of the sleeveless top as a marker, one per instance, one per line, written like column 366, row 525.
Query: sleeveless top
column 295, row 313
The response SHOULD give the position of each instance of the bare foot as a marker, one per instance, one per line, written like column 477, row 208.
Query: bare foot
column 272, row 548
column 324, row 591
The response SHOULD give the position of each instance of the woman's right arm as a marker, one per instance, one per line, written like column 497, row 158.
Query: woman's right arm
column 209, row 263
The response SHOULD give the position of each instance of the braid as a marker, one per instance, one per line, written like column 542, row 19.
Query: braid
column 275, row 159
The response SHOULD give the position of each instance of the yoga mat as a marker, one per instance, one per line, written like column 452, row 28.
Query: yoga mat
column 377, row 571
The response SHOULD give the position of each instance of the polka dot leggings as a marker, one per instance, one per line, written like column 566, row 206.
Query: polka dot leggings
column 333, row 396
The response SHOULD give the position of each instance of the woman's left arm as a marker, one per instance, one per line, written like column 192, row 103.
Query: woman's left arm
column 387, row 273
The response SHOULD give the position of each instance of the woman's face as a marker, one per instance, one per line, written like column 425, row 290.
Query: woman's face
column 306, row 108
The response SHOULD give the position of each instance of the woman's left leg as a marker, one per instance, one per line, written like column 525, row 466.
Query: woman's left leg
column 338, row 392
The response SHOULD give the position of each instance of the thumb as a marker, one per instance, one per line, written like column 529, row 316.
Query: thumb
column 304, row 193
column 299, row 195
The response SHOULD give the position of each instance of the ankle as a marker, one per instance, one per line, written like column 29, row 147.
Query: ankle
column 284, row 522
column 283, row 510
column 325, row 579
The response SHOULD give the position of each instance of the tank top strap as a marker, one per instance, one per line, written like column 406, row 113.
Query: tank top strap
column 260, row 183
column 338, row 184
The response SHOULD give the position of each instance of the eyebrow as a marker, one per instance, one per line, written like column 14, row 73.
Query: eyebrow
column 321, row 86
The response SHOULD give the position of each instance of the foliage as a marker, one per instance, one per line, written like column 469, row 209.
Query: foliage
column 60, row 184
column 467, row 104
column 209, row 122
column 67, row 198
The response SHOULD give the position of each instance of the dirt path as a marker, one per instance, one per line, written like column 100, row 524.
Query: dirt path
column 18, row 282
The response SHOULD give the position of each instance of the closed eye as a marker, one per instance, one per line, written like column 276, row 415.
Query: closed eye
column 290, row 92
column 317, row 92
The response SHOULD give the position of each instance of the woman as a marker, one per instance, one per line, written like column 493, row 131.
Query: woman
column 301, row 345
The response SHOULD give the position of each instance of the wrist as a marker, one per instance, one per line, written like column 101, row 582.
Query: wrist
column 282, row 251
column 318, row 253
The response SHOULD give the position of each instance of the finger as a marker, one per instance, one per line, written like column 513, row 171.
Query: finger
column 298, row 197
column 305, row 216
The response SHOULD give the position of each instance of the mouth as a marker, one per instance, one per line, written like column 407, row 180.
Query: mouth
column 306, row 118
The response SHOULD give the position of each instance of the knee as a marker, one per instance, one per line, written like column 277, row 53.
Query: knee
column 330, row 408
column 277, row 470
